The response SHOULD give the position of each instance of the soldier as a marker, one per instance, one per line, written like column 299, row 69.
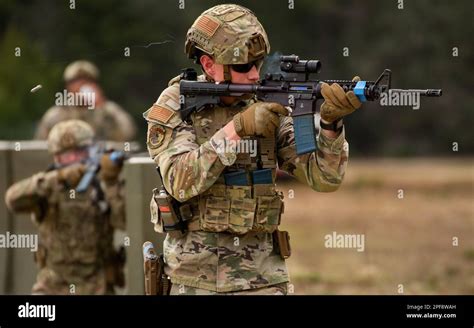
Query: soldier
column 75, row 253
column 222, row 226
column 108, row 119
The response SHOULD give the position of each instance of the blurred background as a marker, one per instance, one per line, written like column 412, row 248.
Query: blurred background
column 427, row 44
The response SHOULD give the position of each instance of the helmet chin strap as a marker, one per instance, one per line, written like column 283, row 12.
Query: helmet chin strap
column 227, row 75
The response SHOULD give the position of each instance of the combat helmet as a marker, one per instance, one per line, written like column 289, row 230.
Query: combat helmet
column 71, row 134
column 230, row 33
column 81, row 68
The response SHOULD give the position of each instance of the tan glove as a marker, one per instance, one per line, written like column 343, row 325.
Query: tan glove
column 71, row 174
column 338, row 103
column 259, row 119
column 109, row 171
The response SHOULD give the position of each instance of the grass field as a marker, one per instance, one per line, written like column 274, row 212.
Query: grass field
column 408, row 240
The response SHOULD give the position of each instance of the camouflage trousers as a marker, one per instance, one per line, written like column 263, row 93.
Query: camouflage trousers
column 278, row 289
column 49, row 282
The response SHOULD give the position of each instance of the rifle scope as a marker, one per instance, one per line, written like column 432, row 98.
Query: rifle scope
column 293, row 64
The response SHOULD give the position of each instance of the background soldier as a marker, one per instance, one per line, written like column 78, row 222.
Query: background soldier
column 108, row 119
column 228, row 208
column 75, row 254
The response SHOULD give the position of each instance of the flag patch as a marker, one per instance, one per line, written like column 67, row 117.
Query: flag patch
column 160, row 114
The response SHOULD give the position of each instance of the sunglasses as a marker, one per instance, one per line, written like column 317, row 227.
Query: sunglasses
column 245, row 68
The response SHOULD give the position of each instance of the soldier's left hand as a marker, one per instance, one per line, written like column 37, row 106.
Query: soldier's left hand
column 109, row 170
column 338, row 103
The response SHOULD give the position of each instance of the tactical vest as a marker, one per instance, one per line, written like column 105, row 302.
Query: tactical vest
column 242, row 199
column 75, row 234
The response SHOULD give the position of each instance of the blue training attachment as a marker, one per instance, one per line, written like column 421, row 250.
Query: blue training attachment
column 359, row 90
column 304, row 134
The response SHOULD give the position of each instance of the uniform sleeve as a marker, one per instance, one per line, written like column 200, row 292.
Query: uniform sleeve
column 30, row 195
column 114, row 195
column 187, row 168
column 322, row 170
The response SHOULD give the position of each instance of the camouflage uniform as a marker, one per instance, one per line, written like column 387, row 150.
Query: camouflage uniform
column 109, row 121
column 229, row 246
column 75, row 233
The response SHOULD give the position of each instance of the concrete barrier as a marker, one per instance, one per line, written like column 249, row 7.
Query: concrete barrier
column 21, row 159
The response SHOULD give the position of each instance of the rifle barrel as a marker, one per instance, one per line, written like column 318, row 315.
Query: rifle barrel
column 422, row 92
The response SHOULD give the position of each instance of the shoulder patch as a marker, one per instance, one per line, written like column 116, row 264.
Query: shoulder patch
column 158, row 137
column 165, row 110
column 160, row 114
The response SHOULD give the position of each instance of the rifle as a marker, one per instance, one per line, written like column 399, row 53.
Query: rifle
column 293, row 88
column 93, row 165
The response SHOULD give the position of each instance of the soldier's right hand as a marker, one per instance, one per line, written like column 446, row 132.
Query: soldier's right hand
column 259, row 119
column 71, row 174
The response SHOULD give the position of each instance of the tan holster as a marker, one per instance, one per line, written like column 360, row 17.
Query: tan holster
column 156, row 281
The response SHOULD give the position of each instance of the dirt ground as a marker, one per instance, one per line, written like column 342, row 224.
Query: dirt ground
column 417, row 218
